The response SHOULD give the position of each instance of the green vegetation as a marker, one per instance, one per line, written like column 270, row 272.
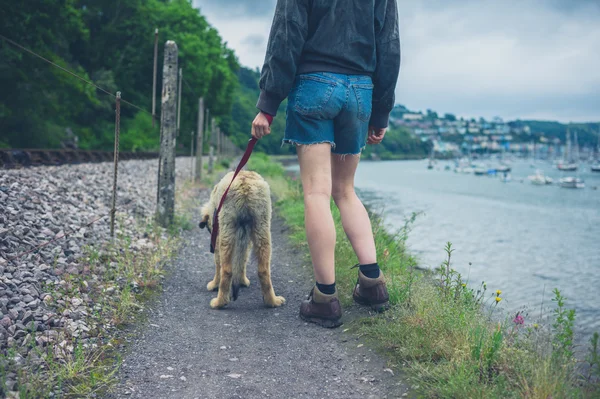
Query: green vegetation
column 452, row 340
column 112, row 44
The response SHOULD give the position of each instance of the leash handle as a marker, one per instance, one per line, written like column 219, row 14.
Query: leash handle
column 243, row 162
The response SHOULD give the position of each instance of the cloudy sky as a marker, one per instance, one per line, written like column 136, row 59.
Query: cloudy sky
column 513, row 58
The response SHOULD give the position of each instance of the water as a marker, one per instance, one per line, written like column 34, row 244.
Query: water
column 522, row 239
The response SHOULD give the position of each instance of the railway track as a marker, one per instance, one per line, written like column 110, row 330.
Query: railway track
column 19, row 158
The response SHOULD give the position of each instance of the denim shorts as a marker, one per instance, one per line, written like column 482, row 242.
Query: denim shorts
column 329, row 108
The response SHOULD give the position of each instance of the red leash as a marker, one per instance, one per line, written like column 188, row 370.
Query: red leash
column 215, row 228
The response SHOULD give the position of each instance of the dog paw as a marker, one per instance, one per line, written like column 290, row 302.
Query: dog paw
column 245, row 282
column 212, row 286
column 215, row 303
column 275, row 302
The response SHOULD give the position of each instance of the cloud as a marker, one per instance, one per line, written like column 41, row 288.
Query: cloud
column 256, row 41
column 470, row 57
column 236, row 8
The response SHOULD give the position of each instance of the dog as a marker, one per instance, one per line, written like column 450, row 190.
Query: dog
column 244, row 223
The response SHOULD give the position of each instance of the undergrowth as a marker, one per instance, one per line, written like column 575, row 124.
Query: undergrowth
column 453, row 340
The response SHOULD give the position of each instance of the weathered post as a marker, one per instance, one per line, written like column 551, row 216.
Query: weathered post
column 192, row 170
column 199, row 142
column 154, row 76
column 211, row 153
column 219, row 142
column 168, row 125
column 179, row 101
column 113, row 209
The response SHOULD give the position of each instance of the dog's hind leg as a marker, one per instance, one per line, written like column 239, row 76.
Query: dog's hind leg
column 262, row 245
column 225, row 258
column 214, row 284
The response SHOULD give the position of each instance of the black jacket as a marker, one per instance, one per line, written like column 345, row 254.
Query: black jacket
column 340, row 36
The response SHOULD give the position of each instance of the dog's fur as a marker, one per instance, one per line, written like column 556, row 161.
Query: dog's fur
column 244, row 222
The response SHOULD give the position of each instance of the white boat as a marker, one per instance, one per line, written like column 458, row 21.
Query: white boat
column 539, row 179
column 567, row 165
column 571, row 182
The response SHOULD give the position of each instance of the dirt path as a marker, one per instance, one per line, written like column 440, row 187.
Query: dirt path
column 187, row 350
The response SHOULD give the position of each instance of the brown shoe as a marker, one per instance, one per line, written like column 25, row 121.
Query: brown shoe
column 322, row 309
column 371, row 292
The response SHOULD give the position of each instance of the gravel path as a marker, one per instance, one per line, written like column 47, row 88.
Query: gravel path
column 187, row 350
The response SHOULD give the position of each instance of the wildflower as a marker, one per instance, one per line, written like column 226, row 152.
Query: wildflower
column 518, row 319
column 498, row 292
column 536, row 326
column 464, row 285
column 498, row 299
column 386, row 253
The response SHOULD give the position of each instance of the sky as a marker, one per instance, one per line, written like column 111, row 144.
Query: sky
column 516, row 59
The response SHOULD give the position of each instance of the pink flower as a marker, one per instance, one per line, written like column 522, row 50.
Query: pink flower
column 518, row 319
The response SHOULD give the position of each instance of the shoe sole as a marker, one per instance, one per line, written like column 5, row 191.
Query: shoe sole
column 378, row 307
column 327, row 323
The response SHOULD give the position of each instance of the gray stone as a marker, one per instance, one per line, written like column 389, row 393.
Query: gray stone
column 27, row 317
column 6, row 322
column 13, row 314
column 27, row 298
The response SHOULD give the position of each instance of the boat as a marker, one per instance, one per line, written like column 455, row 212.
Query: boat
column 431, row 158
column 505, row 177
column 567, row 167
column 567, row 164
column 480, row 170
column 595, row 167
column 539, row 179
column 571, row 182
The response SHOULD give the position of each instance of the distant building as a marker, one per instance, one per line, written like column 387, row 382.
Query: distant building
column 412, row 117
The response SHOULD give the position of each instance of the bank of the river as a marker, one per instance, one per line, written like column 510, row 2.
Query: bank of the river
column 441, row 331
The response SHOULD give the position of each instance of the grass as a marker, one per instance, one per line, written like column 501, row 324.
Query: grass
column 118, row 279
column 452, row 341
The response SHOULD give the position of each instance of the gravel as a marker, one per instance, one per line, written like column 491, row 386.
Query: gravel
column 42, row 203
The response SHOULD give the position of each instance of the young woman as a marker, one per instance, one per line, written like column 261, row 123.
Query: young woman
column 337, row 61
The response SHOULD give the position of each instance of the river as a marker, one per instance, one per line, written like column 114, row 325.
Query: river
column 517, row 237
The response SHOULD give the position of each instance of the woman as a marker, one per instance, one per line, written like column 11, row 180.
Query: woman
column 338, row 62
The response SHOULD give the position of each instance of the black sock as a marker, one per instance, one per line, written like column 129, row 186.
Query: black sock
column 327, row 289
column 370, row 271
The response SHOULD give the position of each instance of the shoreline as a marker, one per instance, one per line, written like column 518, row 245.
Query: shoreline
column 441, row 332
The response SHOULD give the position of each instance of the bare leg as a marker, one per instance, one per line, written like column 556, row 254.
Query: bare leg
column 315, row 171
column 355, row 219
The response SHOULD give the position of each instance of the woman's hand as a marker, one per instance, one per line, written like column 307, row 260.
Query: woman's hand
column 260, row 126
column 376, row 135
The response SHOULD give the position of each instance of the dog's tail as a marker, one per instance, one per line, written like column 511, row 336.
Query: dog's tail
column 239, row 257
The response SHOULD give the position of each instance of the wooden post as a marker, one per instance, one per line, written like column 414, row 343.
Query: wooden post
column 179, row 101
column 154, row 76
column 192, row 170
column 219, row 152
column 199, row 142
column 211, row 153
column 113, row 209
column 168, row 126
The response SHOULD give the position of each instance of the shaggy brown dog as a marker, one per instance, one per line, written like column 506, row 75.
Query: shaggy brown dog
column 244, row 222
